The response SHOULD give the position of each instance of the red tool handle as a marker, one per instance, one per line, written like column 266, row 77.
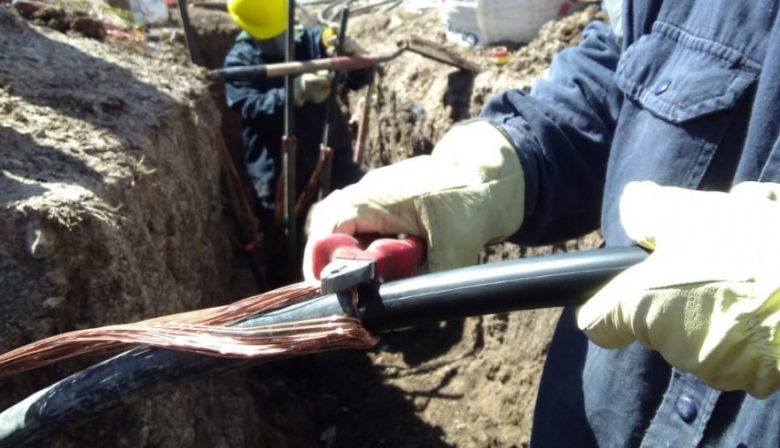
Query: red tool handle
column 395, row 258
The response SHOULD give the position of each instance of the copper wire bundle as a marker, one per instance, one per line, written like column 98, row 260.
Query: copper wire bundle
column 205, row 331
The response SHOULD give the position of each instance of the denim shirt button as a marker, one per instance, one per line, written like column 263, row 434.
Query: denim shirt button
column 687, row 409
column 662, row 87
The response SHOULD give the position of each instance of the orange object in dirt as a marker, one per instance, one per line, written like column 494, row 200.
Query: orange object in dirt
column 500, row 55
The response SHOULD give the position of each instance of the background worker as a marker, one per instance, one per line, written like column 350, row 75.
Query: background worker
column 261, row 103
column 682, row 350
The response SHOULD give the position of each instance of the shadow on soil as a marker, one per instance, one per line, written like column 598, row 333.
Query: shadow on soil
column 16, row 169
column 351, row 405
column 39, row 80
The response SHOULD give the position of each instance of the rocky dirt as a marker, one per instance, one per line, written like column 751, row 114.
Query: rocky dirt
column 110, row 200
column 110, row 209
column 418, row 99
column 471, row 383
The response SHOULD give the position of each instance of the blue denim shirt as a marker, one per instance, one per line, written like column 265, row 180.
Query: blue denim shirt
column 260, row 104
column 691, row 99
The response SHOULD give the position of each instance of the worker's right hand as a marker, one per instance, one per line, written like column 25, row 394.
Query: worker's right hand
column 312, row 87
column 708, row 297
column 469, row 192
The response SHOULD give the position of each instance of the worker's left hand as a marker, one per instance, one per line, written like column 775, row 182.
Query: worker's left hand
column 708, row 297
column 330, row 41
column 467, row 193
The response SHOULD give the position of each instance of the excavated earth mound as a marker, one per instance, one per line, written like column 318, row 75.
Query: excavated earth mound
column 110, row 203
column 109, row 187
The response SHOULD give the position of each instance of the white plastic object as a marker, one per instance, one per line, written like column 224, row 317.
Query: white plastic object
column 477, row 23
column 149, row 12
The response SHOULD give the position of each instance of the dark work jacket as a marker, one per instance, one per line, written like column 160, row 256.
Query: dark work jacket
column 261, row 104
column 692, row 99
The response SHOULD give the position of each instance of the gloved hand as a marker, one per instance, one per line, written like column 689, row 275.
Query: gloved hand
column 708, row 297
column 312, row 87
column 469, row 192
column 330, row 41
column 352, row 47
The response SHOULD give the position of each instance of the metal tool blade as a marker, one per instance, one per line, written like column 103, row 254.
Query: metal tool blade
column 344, row 274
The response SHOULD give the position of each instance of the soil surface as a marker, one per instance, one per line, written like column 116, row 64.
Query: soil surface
column 111, row 212
column 471, row 383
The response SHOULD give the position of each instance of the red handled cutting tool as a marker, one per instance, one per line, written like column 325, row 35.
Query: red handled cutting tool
column 344, row 261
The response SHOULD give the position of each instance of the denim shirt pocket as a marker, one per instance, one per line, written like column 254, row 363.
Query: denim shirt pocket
column 681, row 95
column 679, row 78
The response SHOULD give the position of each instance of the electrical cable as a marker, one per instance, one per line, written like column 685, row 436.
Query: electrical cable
column 282, row 323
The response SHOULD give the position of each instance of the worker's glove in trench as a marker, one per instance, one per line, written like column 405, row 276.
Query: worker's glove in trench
column 330, row 41
column 708, row 297
column 312, row 87
column 469, row 192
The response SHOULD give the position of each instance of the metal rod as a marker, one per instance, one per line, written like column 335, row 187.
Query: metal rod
column 291, row 147
column 314, row 182
column 327, row 14
column 344, row 63
column 436, row 52
column 327, row 168
column 189, row 36
column 332, row 98
column 390, row 6
column 330, row 107
column 310, row 19
column 372, row 5
column 363, row 126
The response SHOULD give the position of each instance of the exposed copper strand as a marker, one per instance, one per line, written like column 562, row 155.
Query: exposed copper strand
column 206, row 332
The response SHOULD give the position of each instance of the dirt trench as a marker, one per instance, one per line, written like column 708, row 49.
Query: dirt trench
column 111, row 212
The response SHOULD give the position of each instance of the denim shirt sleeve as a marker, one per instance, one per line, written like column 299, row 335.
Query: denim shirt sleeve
column 562, row 132
column 251, row 99
column 255, row 99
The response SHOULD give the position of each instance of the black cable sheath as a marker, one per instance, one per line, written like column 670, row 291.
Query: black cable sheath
column 527, row 283
column 540, row 282
column 133, row 375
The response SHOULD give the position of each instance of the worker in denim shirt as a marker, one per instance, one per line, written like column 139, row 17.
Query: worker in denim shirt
column 261, row 103
column 668, row 138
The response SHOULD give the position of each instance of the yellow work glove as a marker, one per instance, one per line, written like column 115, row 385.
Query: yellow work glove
column 312, row 87
column 708, row 297
column 469, row 192
column 330, row 40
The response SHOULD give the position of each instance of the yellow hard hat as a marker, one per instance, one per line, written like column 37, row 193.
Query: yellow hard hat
column 262, row 19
